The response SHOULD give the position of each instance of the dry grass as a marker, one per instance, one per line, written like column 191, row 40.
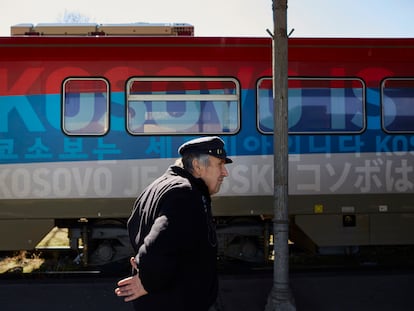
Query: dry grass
column 21, row 263
column 57, row 237
column 26, row 262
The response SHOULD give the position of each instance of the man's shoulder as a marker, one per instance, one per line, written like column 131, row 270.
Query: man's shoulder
column 170, row 183
column 173, row 180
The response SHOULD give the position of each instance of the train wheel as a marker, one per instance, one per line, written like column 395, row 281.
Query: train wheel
column 107, row 242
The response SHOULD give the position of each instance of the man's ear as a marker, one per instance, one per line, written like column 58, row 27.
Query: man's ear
column 196, row 163
column 196, row 166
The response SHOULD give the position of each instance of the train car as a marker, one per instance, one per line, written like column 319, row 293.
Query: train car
column 90, row 116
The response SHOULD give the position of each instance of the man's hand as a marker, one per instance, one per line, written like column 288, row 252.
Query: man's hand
column 131, row 288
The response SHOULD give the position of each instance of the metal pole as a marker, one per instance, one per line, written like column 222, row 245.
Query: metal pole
column 280, row 298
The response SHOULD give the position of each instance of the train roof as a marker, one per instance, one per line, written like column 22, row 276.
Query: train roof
column 93, row 29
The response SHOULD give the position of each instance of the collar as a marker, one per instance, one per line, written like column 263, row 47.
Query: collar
column 197, row 182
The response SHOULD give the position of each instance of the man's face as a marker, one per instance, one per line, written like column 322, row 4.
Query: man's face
column 213, row 174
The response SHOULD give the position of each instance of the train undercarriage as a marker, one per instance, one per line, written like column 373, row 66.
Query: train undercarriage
column 318, row 225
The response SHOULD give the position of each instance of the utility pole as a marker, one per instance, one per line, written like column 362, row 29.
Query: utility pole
column 280, row 297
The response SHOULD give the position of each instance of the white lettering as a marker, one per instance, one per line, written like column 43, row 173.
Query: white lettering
column 241, row 182
column 20, row 183
column 248, row 180
column 134, row 186
column 102, row 180
column 82, row 184
column 313, row 177
column 40, row 178
column 261, row 183
column 61, row 180
column 3, row 184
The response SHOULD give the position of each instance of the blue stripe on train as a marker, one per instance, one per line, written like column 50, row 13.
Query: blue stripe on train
column 30, row 132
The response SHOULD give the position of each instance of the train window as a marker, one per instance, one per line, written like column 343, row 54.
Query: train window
column 178, row 105
column 85, row 106
column 316, row 105
column 397, row 101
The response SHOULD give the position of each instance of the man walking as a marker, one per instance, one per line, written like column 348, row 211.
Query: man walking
column 172, row 231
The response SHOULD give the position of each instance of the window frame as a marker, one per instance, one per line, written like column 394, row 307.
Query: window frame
column 182, row 97
column 382, row 106
column 363, row 101
column 107, row 111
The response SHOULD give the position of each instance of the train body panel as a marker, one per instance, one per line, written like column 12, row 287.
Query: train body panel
column 87, row 122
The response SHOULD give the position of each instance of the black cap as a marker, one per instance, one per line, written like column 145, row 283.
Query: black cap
column 212, row 145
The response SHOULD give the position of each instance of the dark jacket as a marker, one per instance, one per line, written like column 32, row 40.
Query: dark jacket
column 173, row 235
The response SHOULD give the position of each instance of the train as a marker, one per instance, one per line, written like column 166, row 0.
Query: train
column 90, row 114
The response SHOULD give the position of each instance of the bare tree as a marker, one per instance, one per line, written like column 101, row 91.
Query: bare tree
column 73, row 17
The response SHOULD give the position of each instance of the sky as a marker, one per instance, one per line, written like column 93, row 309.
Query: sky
column 308, row 18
